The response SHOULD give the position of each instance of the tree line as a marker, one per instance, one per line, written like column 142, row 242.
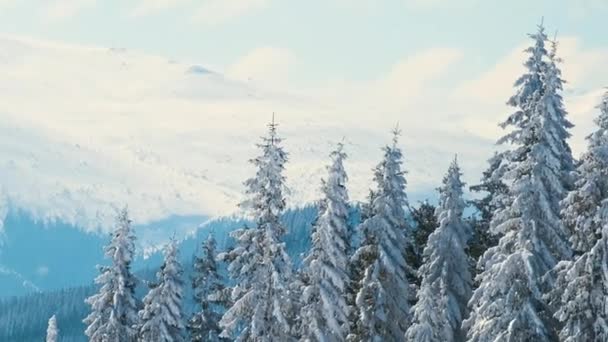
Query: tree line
column 532, row 265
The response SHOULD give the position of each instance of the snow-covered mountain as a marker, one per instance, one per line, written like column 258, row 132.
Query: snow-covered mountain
column 39, row 257
column 85, row 129
column 63, row 293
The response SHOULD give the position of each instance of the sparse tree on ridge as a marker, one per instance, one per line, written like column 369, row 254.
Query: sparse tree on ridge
column 259, row 264
column 324, row 314
column 446, row 277
column 162, row 315
column 209, row 293
column 508, row 305
column 52, row 332
column 113, row 314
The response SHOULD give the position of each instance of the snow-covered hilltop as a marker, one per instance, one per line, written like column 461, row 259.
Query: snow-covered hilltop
column 84, row 129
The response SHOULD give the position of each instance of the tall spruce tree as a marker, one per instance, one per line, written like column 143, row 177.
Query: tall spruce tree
column 113, row 314
column 360, row 262
column 369, row 317
column 559, row 124
column 426, row 222
column 508, row 304
column 209, row 294
column 580, row 207
column 580, row 294
column 446, row 278
column 495, row 190
column 324, row 313
column 52, row 332
column 162, row 315
column 259, row 265
column 382, row 300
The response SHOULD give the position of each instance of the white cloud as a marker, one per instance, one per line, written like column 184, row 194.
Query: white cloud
column 267, row 66
column 410, row 78
column 62, row 9
column 402, row 88
column 214, row 12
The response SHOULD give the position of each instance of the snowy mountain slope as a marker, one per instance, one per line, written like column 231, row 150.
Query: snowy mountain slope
column 85, row 129
column 42, row 257
column 68, row 304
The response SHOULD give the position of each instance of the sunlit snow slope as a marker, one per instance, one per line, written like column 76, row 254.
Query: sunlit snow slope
column 86, row 129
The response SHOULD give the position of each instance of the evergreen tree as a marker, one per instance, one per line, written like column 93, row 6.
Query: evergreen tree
column 384, row 292
column 370, row 323
column 259, row 264
column 161, row 318
column 367, row 206
column 209, row 294
column 508, row 305
column 324, row 314
column 426, row 222
column 361, row 260
column 581, row 290
column 496, row 193
column 554, row 105
column 582, row 298
column 445, row 270
column 580, row 207
column 52, row 332
column 114, row 308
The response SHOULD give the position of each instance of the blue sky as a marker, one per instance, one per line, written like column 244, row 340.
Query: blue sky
column 352, row 39
column 86, row 128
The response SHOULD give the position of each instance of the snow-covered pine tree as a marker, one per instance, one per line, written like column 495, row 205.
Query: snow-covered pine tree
column 508, row 304
column 370, row 323
column 259, row 264
column 579, row 208
column 382, row 300
column 583, row 297
column 113, row 314
column 324, row 313
column 209, row 294
column 362, row 261
column 496, row 192
column 161, row 319
column 367, row 206
column 446, row 279
column 426, row 222
column 581, row 290
column 559, row 124
column 52, row 332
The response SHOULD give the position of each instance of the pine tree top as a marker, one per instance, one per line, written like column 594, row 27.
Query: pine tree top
column 601, row 121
